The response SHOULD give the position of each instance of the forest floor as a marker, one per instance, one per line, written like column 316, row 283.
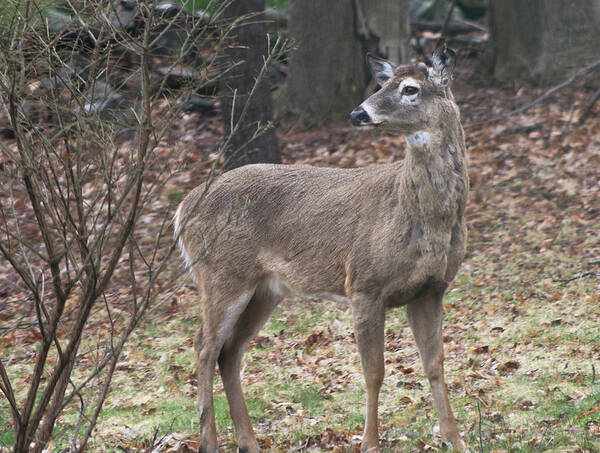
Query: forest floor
column 521, row 331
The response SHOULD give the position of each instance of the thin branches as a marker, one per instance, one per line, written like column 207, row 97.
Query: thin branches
column 78, row 184
column 591, row 67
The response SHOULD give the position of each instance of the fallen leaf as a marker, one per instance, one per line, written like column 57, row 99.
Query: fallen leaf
column 509, row 367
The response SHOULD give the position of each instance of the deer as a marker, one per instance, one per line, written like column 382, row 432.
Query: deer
column 376, row 238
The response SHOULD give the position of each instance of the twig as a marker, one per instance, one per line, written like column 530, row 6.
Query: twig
column 73, row 440
column 363, row 30
column 453, row 27
column 418, row 44
column 480, row 435
column 576, row 277
column 519, row 130
column 153, row 441
column 543, row 97
column 589, row 107
column 447, row 21
column 6, row 388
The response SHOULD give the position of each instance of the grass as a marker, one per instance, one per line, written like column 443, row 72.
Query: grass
column 8, row 9
column 521, row 363
column 302, row 375
column 7, row 436
column 550, row 386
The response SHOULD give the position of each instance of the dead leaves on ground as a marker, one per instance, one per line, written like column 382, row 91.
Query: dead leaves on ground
column 534, row 223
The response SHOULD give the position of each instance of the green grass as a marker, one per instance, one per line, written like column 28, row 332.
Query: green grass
column 7, row 435
column 304, row 378
column 277, row 4
column 15, row 10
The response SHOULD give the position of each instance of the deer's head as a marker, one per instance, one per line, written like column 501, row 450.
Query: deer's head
column 411, row 97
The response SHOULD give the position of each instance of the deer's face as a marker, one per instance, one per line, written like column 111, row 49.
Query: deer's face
column 409, row 95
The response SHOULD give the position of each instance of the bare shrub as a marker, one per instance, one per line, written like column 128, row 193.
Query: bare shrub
column 91, row 97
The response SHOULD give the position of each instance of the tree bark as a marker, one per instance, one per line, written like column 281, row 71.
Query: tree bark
column 541, row 41
column 249, row 47
column 387, row 22
column 327, row 69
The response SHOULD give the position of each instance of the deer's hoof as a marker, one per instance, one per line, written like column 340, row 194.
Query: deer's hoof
column 202, row 449
column 374, row 449
column 249, row 449
column 458, row 445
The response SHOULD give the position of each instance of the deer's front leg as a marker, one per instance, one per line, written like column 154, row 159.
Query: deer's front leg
column 369, row 317
column 425, row 319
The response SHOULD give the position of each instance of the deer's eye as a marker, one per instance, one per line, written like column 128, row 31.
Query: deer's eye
column 409, row 90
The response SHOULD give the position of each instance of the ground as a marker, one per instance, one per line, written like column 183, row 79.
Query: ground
column 521, row 332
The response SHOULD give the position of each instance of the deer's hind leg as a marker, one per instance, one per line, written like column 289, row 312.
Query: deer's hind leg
column 221, row 309
column 248, row 325
column 425, row 319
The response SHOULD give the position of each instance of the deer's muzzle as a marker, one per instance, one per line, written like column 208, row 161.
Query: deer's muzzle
column 360, row 117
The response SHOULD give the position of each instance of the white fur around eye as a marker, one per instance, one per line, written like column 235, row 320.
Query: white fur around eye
column 409, row 98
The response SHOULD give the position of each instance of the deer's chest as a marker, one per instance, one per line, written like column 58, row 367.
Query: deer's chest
column 418, row 262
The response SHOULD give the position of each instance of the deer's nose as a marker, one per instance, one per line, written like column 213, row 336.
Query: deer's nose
column 359, row 116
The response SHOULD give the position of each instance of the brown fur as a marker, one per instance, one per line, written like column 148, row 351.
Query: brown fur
column 381, row 237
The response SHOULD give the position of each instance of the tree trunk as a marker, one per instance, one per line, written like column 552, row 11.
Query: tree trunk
column 249, row 46
column 327, row 69
column 386, row 23
column 542, row 41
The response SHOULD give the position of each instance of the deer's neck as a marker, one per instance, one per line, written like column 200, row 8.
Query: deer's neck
column 434, row 178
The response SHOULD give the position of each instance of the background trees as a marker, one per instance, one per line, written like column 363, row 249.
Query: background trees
column 327, row 75
column 385, row 26
column 248, row 51
column 541, row 41
column 534, row 41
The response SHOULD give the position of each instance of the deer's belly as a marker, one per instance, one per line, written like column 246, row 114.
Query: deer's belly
column 408, row 294
column 281, row 288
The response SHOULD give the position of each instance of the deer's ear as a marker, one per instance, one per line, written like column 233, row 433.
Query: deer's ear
column 381, row 69
column 443, row 62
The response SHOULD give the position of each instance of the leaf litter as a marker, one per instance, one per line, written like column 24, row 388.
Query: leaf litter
column 521, row 330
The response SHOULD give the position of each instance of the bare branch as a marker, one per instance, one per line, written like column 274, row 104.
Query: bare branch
column 591, row 67
column 80, row 191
